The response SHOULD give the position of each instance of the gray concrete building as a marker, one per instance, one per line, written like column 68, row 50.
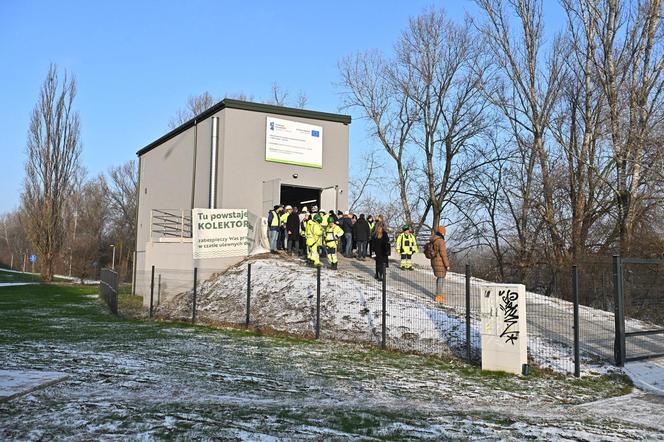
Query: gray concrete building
column 233, row 156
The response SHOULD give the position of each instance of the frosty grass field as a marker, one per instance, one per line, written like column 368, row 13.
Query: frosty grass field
column 154, row 380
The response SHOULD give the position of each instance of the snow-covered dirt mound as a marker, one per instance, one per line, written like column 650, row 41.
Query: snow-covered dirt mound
column 283, row 300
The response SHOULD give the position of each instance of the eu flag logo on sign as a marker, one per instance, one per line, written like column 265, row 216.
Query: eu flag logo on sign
column 315, row 133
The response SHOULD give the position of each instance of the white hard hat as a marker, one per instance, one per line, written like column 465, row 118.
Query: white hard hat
column 346, row 212
column 288, row 207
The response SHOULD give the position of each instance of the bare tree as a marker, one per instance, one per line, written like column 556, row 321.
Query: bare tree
column 302, row 100
column 440, row 68
column 53, row 151
column 278, row 95
column 578, row 128
column 628, row 59
column 196, row 104
column 368, row 86
column 122, row 195
column 486, row 222
column 14, row 246
column 360, row 184
column 89, row 248
column 526, row 95
column 242, row 96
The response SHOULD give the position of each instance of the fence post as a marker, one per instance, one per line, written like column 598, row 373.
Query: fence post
column 246, row 322
column 575, row 295
column 159, row 291
column 468, row 337
column 318, row 302
column 116, row 287
column 619, row 312
column 193, row 308
column 384, row 313
column 152, row 292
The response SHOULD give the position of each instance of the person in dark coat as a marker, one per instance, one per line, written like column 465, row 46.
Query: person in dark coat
column 362, row 233
column 332, row 217
column 346, row 240
column 293, row 232
column 380, row 243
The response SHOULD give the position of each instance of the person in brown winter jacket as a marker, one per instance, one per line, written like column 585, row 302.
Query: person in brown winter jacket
column 439, row 262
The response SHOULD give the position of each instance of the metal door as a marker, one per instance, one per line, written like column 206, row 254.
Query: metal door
column 329, row 198
column 271, row 195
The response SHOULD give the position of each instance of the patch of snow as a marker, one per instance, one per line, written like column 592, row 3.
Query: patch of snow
column 68, row 278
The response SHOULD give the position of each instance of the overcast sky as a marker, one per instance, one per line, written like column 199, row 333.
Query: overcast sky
column 136, row 62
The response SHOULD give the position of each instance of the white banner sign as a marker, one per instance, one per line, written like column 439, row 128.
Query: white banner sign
column 219, row 233
column 292, row 142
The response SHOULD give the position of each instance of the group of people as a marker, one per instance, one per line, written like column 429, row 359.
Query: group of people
column 319, row 234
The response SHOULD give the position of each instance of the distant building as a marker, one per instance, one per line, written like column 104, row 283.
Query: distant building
column 235, row 155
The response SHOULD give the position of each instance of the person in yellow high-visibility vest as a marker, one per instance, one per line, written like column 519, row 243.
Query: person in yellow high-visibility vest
column 332, row 234
column 324, row 218
column 305, row 219
column 314, row 239
column 406, row 247
column 273, row 227
column 283, row 235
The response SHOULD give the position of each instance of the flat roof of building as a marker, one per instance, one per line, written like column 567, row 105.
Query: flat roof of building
column 249, row 106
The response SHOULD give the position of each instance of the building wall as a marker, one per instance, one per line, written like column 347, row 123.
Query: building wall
column 176, row 174
column 203, row 162
column 165, row 183
column 243, row 167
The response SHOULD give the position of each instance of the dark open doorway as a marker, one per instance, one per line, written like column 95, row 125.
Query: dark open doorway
column 300, row 196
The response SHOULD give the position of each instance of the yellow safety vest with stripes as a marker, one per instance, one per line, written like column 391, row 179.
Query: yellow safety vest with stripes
column 314, row 233
column 332, row 233
column 303, row 227
column 406, row 244
column 275, row 219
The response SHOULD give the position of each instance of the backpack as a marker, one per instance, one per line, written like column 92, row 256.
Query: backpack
column 429, row 251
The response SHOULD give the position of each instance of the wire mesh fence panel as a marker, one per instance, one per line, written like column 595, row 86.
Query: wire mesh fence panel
column 643, row 288
column 425, row 315
column 173, row 293
column 351, row 306
column 596, row 310
column 108, row 289
column 549, row 310
column 215, row 304
column 550, row 322
column 283, row 297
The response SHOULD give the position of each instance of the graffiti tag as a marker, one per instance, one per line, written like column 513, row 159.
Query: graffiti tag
column 510, row 307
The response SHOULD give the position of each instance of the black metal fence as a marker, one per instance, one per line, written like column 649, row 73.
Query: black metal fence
column 601, row 310
column 639, row 308
column 108, row 288
column 406, row 311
